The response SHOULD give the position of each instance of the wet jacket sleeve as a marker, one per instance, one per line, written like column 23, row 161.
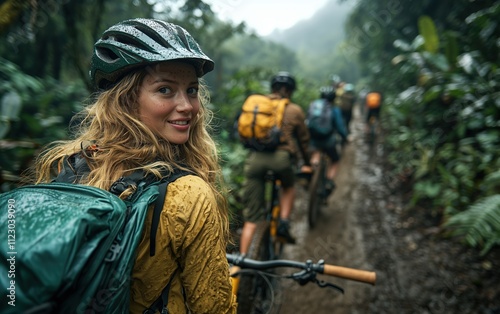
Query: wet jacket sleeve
column 295, row 132
column 190, row 249
column 201, row 250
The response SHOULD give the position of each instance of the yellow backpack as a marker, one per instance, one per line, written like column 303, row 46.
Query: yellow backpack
column 259, row 124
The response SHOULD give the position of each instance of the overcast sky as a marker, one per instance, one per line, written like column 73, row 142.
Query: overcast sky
column 264, row 16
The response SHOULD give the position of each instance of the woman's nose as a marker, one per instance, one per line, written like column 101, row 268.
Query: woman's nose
column 183, row 102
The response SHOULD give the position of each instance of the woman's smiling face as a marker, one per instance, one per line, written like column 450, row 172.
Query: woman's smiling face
column 168, row 100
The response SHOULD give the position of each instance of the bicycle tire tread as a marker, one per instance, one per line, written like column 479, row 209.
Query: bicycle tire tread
column 248, row 282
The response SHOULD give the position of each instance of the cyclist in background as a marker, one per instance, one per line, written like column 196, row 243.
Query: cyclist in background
column 347, row 100
column 360, row 100
column 373, row 101
column 328, row 145
column 281, row 162
column 339, row 91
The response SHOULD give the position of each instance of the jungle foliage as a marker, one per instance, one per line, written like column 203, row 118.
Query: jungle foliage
column 437, row 65
column 439, row 70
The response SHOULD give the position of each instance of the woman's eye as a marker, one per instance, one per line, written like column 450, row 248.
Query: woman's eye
column 192, row 91
column 164, row 90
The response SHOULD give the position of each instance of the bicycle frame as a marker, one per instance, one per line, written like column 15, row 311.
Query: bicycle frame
column 273, row 216
column 265, row 246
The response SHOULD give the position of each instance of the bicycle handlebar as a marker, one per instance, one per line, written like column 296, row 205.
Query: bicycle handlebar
column 351, row 274
column 310, row 267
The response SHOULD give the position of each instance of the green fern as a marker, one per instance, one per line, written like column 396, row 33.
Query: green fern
column 493, row 179
column 479, row 225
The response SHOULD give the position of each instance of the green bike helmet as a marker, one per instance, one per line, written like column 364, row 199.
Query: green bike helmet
column 135, row 43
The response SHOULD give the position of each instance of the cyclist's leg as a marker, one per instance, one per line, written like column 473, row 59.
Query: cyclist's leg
column 369, row 114
column 331, row 173
column 246, row 236
column 287, row 198
column 282, row 166
column 376, row 113
column 346, row 116
column 349, row 118
column 253, row 198
column 315, row 156
column 315, row 153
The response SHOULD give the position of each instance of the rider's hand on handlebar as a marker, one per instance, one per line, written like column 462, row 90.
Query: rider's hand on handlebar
column 304, row 175
column 306, row 169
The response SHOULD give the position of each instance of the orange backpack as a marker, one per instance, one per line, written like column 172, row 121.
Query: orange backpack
column 373, row 100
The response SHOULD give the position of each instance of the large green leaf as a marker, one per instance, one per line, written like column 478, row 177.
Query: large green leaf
column 451, row 48
column 428, row 31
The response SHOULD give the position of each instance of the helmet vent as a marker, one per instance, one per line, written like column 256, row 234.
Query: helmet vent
column 182, row 37
column 130, row 41
column 155, row 36
column 106, row 54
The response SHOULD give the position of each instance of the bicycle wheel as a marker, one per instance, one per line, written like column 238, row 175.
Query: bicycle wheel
column 258, row 293
column 316, row 195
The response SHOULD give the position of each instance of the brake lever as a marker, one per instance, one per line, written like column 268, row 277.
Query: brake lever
column 306, row 276
column 324, row 284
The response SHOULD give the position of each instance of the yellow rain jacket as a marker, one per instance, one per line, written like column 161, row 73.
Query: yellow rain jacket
column 189, row 238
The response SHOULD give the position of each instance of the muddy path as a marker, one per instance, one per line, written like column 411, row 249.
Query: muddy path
column 365, row 226
column 338, row 238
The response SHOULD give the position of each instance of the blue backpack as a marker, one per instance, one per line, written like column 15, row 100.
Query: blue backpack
column 319, row 119
column 71, row 248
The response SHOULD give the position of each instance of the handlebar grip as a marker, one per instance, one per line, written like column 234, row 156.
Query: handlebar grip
column 351, row 273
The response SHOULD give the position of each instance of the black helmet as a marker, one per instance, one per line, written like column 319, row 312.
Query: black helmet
column 327, row 92
column 138, row 42
column 284, row 78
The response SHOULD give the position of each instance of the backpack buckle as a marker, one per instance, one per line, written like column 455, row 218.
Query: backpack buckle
column 121, row 185
column 114, row 251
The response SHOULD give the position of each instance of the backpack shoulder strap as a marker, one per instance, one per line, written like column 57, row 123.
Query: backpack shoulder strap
column 162, row 189
column 162, row 301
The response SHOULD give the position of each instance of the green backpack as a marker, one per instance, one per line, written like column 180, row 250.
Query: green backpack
column 70, row 248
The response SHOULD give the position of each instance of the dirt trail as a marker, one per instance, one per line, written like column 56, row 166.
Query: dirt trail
column 338, row 239
column 364, row 226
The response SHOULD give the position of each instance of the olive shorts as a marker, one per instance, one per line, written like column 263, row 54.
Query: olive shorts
column 256, row 166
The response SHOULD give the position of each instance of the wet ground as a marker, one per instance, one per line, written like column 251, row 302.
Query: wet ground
column 364, row 226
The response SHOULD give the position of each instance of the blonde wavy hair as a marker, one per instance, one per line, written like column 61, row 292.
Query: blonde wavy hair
column 125, row 144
